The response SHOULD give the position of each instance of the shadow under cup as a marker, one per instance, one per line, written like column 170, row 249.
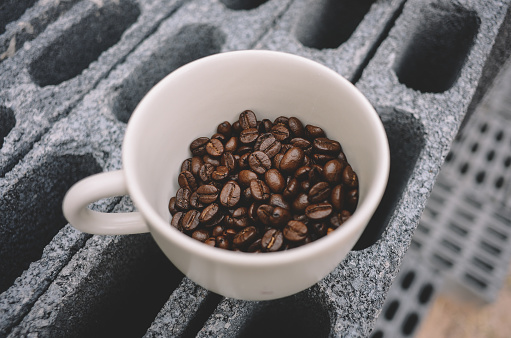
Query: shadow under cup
column 192, row 101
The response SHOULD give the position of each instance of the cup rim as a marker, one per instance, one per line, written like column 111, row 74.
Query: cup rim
column 327, row 243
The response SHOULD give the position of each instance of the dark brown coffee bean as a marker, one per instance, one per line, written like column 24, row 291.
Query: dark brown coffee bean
column 246, row 196
column 222, row 242
column 316, row 174
column 267, row 125
column 301, row 143
column 332, row 171
column 197, row 163
column 194, row 201
column 276, row 160
column 300, row 203
column 245, row 237
column 312, row 132
column 349, row 178
column 247, row 119
column 243, row 161
column 198, row 146
column 352, row 200
column 322, row 158
column 281, row 132
column 176, row 220
column 232, row 145
column 240, row 217
column 259, row 162
column 215, row 147
column 281, row 120
column 210, row 241
column 172, row 206
column 319, row 228
column 305, row 186
column 252, row 211
column 186, row 165
column 292, row 160
column 229, row 233
column 337, row 197
column 200, row 235
column 220, row 173
column 217, row 230
column 183, row 198
column 292, row 189
column 190, row 220
column 210, row 214
column 302, row 173
column 306, row 160
column 230, row 194
column 214, row 161
column 326, row 146
column 259, row 190
column 318, row 210
column 264, row 213
column 205, row 172
column 275, row 180
column 249, row 135
column 225, row 129
column 245, row 176
column 207, row 193
column 280, row 216
column 220, row 137
column 187, row 180
column 296, row 127
column 277, row 200
column 244, row 149
column 295, row 231
column 268, row 144
column 339, row 217
column 229, row 161
column 319, row 192
column 255, row 247
column 272, row 240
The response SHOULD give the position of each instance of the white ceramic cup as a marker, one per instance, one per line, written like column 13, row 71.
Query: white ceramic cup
column 191, row 102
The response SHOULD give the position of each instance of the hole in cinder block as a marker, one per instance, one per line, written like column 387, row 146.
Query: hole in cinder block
column 242, row 4
column 190, row 43
column 31, row 211
column 483, row 265
column 475, row 281
column 7, row 122
column 438, row 48
column 408, row 280
column 391, row 310
column 377, row 334
column 329, row 23
column 406, row 140
column 11, row 10
column 410, row 324
column 83, row 43
column 426, row 293
column 301, row 315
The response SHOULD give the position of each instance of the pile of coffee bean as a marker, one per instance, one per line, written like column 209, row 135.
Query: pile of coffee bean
column 263, row 186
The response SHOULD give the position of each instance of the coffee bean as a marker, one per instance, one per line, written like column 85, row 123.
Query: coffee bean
column 229, row 233
column 230, row 194
column 302, row 173
column 255, row 247
column 326, row 146
column 281, row 120
column 280, row 216
column 319, row 228
column 217, row 230
column 305, row 186
column 172, row 206
column 222, row 242
column 245, row 237
column 259, row 190
column 215, row 147
column 186, row 165
column 312, row 132
column 176, row 220
column 207, row 193
column 332, row 171
column 277, row 200
column 187, row 180
column 316, row 174
column 220, row 173
column 276, row 161
column 240, row 217
column 259, row 162
column 198, row 146
column 210, row 214
column 196, row 165
column 267, row 125
column 322, row 158
column 210, row 241
column 339, row 217
column 292, row 189
column 318, row 210
column 295, row 231
column 292, row 160
column 225, row 129
column 275, row 180
column 249, row 135
column 268, row 144
column 300, row 203
column 200, row 235
column 281, row 132
column 190, row 220
column 232, row 145
column 301, row 143
column 352, row 200
column 243, row 161
column 205, row 172
column 244, row 149
column 296, row 127
column 229, row 161
column 218, row 136
column 264, row 213
column 349, row 178
column 319, row 192
column 183, row 198
column 214, row 161
column 252, row 211
column 337, row 197
column 247, row 119
column 272, row 240
column 245, row 176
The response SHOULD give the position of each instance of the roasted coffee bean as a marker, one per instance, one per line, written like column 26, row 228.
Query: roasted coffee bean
column 229, row 233
column 295, row 231
column 292, row 160
column 243, row 161
column 280, row 216
column 245, row 237
column 214, row 161
column 349, row 178
column 267, row 125
column 225, row 129
column 183, row 198
column 187, row 180
column 246, row 176
column 252, row 211
column 232, row 145
column 277, row 200
column 215, row 147
column 186, row 165
column 210, row 241
column 339, row 217
column 332, row 171
column 176, row 220
column 352, row 200
column 275, row 180
column 205, row 172
column 259, row 162
column 300, row 203
column 301, row 217
column 296, row 127
column 246, row 195
column 222, row 242
column 319, row 228
column 172, row 206
column 249, row 135
column 316, row 174
column 244, row 149
column 264, row 213
column 229, row 161
column 312, row 132
column 210, row 215
column 326, row 146
column 190, row 220
column 305, row 186
column 281, row 132
column 218, row 136
column 201, row 235
column 318, row 210
column 197, row 163
column 220, row 173
column 268, row 144
column 230, row 194
column 194, row 201
column 292, row 189
column 322, row 158
column 276, row 161
column 240, row 217
column 302, row 173
column 301, row 143
column 306, row 160
column 319, row 192
column 207, row 193
column 272, row 240
column 281, row 120
column 247, row 119
column 198, row 146
column 337, row 197
column 255, row 247
column 259, row 190
column 217, row 230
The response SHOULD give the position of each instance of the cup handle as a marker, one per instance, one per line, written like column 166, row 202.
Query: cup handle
column 94, row 188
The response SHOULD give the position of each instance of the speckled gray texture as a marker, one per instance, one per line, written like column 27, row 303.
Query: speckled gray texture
column 122, row 284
